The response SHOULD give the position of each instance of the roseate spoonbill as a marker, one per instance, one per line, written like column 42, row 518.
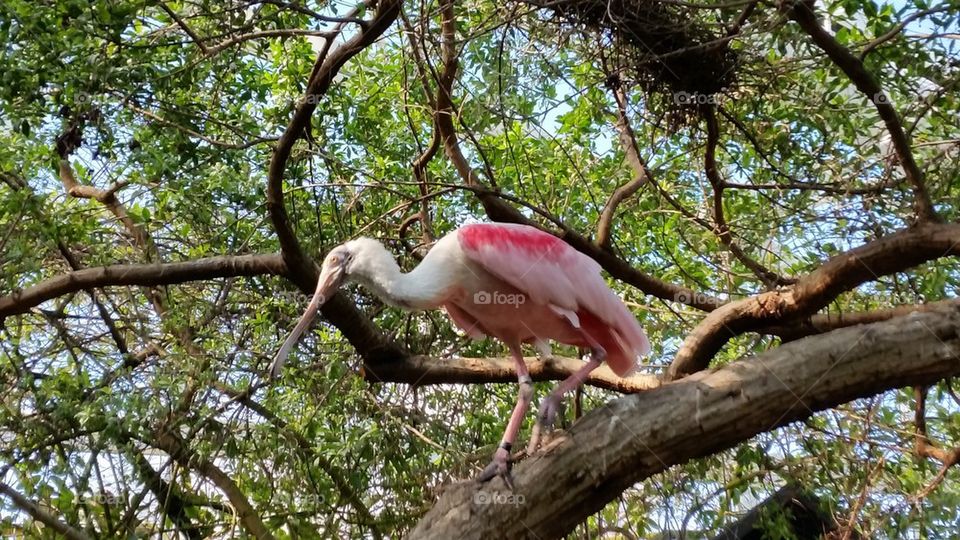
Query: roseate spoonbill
column 512, row 282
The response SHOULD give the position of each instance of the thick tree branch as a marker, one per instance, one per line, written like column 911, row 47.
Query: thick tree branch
column 826, row 322
column 802, row 12
column 370, row 343
column 141, row 274
column 894, row 253
column 634, row 437
column 424, row 370
column 42, row 515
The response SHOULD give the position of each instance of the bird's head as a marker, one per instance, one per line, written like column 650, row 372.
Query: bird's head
column 333, row 272
column 357, row 258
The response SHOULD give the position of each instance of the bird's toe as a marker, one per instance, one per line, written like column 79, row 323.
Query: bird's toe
column 500, row 465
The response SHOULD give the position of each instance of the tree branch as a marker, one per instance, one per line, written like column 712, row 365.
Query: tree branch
column 424, row 370
column 722, row 230
column 141, row 274
column 802, row 12
column 41, row 515
column 357, row 328
column 890, row 254
column 183, row 25
column 635, row 437
column 641, row 174
column 826, row 322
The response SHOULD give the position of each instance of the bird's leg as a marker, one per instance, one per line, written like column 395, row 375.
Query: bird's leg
column 501, row 464
column 551, row 404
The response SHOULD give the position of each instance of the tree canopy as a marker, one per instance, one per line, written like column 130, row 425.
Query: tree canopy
column 771, row 186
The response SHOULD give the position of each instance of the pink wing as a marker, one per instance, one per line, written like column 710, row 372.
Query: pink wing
column 551, row 272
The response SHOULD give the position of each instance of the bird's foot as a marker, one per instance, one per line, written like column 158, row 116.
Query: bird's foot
column 501, row 465
column 546, row 418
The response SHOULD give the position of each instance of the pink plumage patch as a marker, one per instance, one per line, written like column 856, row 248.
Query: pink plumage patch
column 550, row 272
column 505, row 235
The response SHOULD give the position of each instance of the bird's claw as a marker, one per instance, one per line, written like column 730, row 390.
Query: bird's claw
column 501, row 465
column 546, row 419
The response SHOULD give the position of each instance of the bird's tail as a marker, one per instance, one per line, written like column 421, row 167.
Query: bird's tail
column 622, row 353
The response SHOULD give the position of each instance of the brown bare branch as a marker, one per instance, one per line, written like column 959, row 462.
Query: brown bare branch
column 722, row 229
column 637, row 436
column 424, row 370
column 109, row 199
column 641, row 174
column 42, row 515
column 141, row 274
column 894, row 253
column 924, row 446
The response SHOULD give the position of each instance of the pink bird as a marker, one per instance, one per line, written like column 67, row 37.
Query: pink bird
column 512, row 282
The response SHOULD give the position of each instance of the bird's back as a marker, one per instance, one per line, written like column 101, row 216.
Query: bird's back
column 551, row 272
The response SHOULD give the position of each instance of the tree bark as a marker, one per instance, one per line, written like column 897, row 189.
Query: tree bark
column 637, row 436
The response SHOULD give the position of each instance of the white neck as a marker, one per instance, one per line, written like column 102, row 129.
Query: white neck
column 422, row 288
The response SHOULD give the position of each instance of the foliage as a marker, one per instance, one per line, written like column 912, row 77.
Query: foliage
column 184, row 129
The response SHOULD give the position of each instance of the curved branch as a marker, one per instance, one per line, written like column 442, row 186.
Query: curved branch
column 141, row 274
column 890, row 254
column 641, row 174
column 635, row 437
column 722, row 229
column 357, row 328
column 801, row 11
